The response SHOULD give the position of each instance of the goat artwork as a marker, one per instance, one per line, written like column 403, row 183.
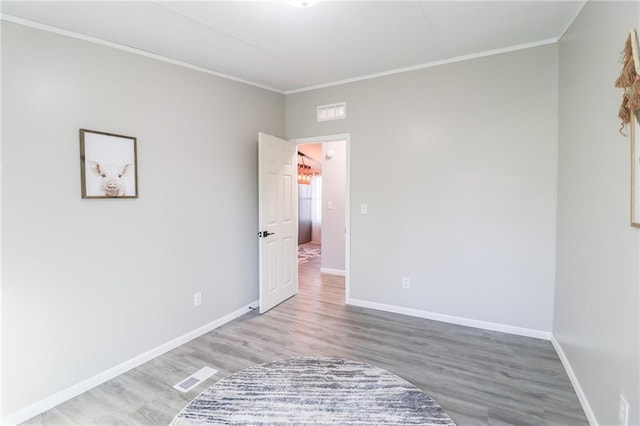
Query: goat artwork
column 111, row 178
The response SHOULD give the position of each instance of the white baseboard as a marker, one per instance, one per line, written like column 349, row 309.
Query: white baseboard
column 330, row 271
column 591, row 417
column 485, row 325
column 85, row 385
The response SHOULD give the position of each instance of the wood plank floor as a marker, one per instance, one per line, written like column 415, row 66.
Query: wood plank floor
column 479, row 377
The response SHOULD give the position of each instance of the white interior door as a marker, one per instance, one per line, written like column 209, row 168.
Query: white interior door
column 278, row 220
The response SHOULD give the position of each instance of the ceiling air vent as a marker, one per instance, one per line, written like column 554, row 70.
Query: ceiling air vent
column 332, row 111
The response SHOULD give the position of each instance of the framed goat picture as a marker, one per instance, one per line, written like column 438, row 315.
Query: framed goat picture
column 635, row 170
column 108, row 165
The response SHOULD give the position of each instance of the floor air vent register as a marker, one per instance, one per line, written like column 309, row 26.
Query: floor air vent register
column 195, row 379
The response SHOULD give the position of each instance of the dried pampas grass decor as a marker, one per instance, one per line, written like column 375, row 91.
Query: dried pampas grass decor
column 629, row 79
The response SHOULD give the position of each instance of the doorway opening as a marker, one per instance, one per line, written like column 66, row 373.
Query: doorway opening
column 323, row 205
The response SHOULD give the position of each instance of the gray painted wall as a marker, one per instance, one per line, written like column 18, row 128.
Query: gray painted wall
column 597, row 304
column 89, row 284
column 458, row 166
column 333, row 220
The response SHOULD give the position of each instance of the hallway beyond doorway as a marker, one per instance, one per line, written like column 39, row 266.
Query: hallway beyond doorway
column 308, row 251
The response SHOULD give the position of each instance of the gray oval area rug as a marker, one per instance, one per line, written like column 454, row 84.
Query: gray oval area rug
column 320, row 391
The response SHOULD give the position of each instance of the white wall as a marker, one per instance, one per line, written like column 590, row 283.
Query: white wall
column 333, row 219
column 597, row 311
column 89, row 284
column 457, row 164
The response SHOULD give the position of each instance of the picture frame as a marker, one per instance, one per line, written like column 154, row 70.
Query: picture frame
column 108, row 165
column 635, row 169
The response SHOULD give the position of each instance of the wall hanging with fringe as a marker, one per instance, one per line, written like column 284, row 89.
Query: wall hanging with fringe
column 629, row 80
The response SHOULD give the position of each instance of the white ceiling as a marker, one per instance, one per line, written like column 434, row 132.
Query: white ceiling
column 275, row 45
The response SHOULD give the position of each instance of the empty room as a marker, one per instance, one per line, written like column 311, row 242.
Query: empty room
column 320, row 212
